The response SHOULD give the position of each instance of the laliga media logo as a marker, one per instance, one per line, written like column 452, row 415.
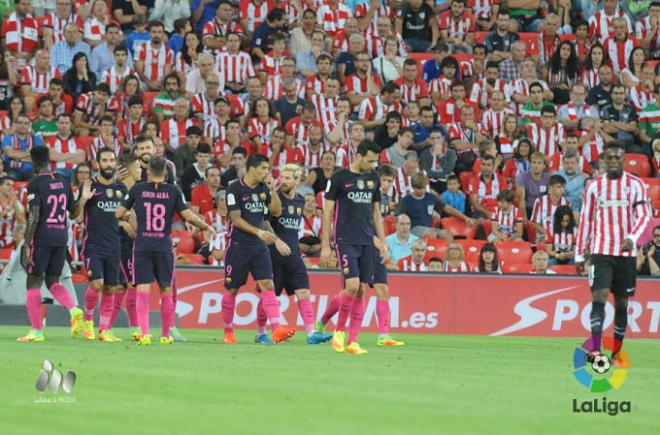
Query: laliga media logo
column 53, row 379
column 600, row 366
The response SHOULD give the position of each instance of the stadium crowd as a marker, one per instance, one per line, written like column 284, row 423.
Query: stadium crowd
column 491, row 120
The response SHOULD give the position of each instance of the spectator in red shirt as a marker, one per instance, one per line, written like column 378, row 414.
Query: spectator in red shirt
column 204, row 194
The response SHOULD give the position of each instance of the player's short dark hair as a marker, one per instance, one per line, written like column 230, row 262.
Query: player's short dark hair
column 107, row 118
column 277, row 36
column 367, row 145
column 135, row 100
column 275, row 14
column 143, row 138
column 457, row 84
column 43, row 99
column 614, row 144
column 419, row 180
column 425, row 109
column 405, row 130
column 386, row 170
column 209, row 169
column 157, row 165
column 40, row 156
column 488, row 158
column 239, row 150
column 121, row 48
column 555, row 180
column 103, row 87
column 410, row 62
column 453, row 177
column 323, row 56
column 63, row 115
column 505, row 195
column 548, row 109
column 193, row 130
column 155, row 23
column 104, row 150
column 536, row 85
column 127, row 159
column 111, row 25
column 435, row 260
column 480, row 46
column 492, row 64
column 579, row 23
column 56, row 81
column 393, row 115
column 449, row 61
column 203, row 149
column 309, row 107
column 179, row 24
column 255, row 160
column 390, row 87
column 503, row 12
column 174, row 76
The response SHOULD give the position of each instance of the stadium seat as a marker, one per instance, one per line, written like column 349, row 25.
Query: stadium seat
column 388, row 225
column 514, row 252
column 650, row 181
column 517, row 268
column 480, row 37
column 638, row 164
column 194, row 259
column 569, row 37
column 531, row 40
column 465, row 178
column 564, row 269
column 5, row 254
column 18, row 185
column 435, row 248
column 471, row 249
column 531, row 232
column 654, row 192
column 148, row 101
column 185, row 244
column 421, row 59
column 458, row 228
column 85, row 142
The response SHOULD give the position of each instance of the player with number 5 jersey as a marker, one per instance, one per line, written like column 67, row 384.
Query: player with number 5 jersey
column 50, row 200
column 155, row 202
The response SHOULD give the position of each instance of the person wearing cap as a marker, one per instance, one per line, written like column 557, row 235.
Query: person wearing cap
column 184, row 155
column 431, row 69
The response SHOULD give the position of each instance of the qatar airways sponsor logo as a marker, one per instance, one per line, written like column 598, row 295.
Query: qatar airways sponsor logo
column 289, row 223
column 361, row 197
column 108, row 206
column 254, row 207
column 641, row 317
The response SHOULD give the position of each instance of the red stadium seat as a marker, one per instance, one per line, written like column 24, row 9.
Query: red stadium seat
column 194, row 259
column 471, row 249
column 85, row 142
column 514, row 252
column 185, row 244
column 569, row 37
column 480, row 37
column 5, row 254
column 18, row 185
column 388, row 225
column 564, row 269
column 148, row 101
column 638, row 164
column 458, row 228
column 531, row 232
column 654, row 192
column 435, row 248
column 650, row 181
column 465, row 178
column 517, row 268
column 655, row 204
column 531, row 40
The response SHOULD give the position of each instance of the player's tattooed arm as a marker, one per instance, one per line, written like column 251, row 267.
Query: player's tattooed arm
column 195, row 220
column 240, row 223
column 326, row 230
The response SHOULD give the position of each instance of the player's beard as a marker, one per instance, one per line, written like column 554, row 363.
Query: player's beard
column 107, row 173
column 144, row 158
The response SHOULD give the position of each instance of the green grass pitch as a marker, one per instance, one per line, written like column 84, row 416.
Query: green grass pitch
column 436, row 384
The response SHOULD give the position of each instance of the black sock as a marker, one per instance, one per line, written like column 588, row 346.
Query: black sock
column 597, row 317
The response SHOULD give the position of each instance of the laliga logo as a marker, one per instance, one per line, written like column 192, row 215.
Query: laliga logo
column 53, row 379
column 600, row 365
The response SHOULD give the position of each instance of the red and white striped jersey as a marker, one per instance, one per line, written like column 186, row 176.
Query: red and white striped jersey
column 257, row 129
column 254, row 14
column 373, row 109
column 412, row 91
column 546, row 141
column 202, row 104
column 481, row 97
column 362, row 9
column 457, row 28
column 298, row 130
column 563, row 241
column 235, row 68
column 326, row 109
column 8, row 209
column 332, row 21
column 482, row 9
column 544, row 210
column 114, row 78
column 507, row 220
column 272, row 65
column 441, row 85
column 407, row 265
column 63, row 146
column 315, row 84
column 308, row 157
column 590, row 78
column 91, row 112
column 600, row 25
column 293, row 15
column 5, row 122
column 217, row 221
column 38, row 81
column 174, row 132
column 340, row 42
column 311, row 226
column 619, row 51
column 129, row 130
column 284, row 157
column 155, row 60
column 217, row 28
column 639, row 98
column 274, row 91
column 376, row 46
column 547, row 47
column 94, row 29
column 346, row 154
column 492, row 122
column 20, row 35
column 613, row 210
column 58, row 24
column 593, row 148
column 487, row 191
column 219, row 241
column 461, row 267
column 457, row 131
column 181, row 66
column 214, row 130
column 99, row 143
column 360, row 86
column 403, row 184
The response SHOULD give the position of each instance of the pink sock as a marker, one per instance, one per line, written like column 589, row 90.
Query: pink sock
column 307, row 314
column 262, row 318
column 383, row 317
column 357, row 314
column 131, row 300
column 105, row 311
column 33, row 305
column 272, row 308
column 228, row 307
column 62, row 296
column 166, row 313
column 331, row 309
column 345, row 302
column 91, row 299
column 142, row 308
column 116, row 308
